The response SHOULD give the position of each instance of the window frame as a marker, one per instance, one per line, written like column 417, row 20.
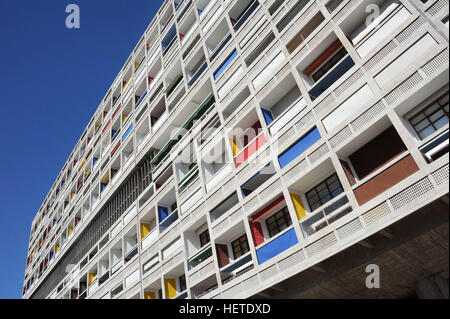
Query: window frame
column 427, row 117
column 241, row 248
column 274, row 225
column 204, row 238
column 316, row 192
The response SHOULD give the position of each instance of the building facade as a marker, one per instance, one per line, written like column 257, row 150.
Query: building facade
column 260, row 148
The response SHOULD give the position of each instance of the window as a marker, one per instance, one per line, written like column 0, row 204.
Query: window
column 204, row 238
column 278, row 222
column 324, row 192
column 182, row 280
column 240, row 247
column 432, row 118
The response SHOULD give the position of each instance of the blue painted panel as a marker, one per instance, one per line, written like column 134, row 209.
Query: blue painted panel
column 163, row 213
column 225, row 64
column 124, row 137
column 168, row 39
column 141, row 98
column 332, row 77
column 267, row 116
column 277, row 246
column 299, row 148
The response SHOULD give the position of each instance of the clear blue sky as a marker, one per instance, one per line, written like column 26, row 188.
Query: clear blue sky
column 51, row 82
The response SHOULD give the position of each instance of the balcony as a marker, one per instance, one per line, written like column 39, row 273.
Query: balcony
column 215, row 165
column 300, row 147
column 376, row 166
column 201, row 109
column 258, row 179
column 196, row 67
column 366, row 37
column 282, row 105
column 218, row 39
column 169, row 39
column 305, row 32
column 277, row 246
column 225, row 64
column 241, row 12
column 337, row 71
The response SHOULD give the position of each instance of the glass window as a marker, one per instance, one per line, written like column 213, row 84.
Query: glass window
column 183, row 286
column 431, row 118
column 240, row 247
column 278, row 222
column 324, row 192
column 204, row 238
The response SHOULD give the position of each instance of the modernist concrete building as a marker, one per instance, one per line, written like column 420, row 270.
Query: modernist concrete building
column 260, row 149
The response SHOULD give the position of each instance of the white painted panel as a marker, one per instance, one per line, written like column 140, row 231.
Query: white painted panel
column 348, row 108
column 252, row 32
column 269, row 71
column 150, row 239
column 383, row 32
column 128, row 94
column 231, row 83
column 160, row 122
column 218, row 177
column 152, row 262
column 285, row 118
column 155, row 80
column 153, row 58
column 171, row 248
column 189, row 33
column 130, row 215
column 363, row 31
column 132, row 279
column 107, row 296
column 193, row 199
column 213, row 20
column 410, row 56
column 116, row 230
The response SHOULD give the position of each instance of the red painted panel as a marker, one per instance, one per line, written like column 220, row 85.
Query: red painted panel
column 115, row 148
column 116, row 111
column 106, row 127
column 348, row 172
column 257, row 233
column 277, row 202
column 387, row 179
column 222, row 255
column 323, row 57
column 250, row 150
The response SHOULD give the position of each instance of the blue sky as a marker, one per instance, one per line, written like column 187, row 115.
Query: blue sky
column 51, row 82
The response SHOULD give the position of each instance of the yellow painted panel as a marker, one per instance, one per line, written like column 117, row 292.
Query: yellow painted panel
column 72, row 195
column 92, row 278
column 97, row 127
column 170, row 288
column 236, row 148
column 124, row 118
column 136, row 65
column 298, row 205
column 149, row 295
column 56, row 248
column 69, row 231
column 145, row 230
column 81, row 165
